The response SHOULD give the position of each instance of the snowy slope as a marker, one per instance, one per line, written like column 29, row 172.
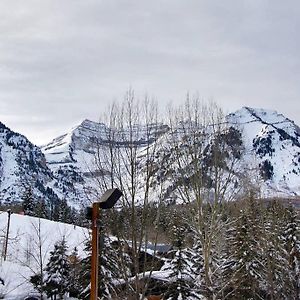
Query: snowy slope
column 23, row 251
column 23, row 168
column 22, row 165
column 272, row 144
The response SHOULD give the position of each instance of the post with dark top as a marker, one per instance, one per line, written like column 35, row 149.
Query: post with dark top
column 107, row 201
column 95, row 251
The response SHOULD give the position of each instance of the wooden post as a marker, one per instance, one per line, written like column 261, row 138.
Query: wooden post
column 107, row 201
column 95, row 251
column 7, row 233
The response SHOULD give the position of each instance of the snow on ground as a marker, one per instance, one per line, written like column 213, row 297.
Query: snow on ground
column 22, row 251
column 15, row 277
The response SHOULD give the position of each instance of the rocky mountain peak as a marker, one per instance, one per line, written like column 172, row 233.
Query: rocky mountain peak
column 273, row 143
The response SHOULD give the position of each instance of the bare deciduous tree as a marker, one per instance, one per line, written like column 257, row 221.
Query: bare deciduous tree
column 35, row 255
column 125, row 155
column 203, row 157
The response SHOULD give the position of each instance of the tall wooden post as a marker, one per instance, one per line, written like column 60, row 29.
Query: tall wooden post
column 95, row 251
column 7, row 233
column 107, row 201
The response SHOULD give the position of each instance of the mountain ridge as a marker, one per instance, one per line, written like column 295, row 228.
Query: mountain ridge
column 67, row 166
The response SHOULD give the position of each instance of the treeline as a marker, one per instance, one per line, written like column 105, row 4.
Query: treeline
column 53, row 208
column 254, row 255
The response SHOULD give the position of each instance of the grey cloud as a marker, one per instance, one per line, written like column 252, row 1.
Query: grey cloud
column 61, row 61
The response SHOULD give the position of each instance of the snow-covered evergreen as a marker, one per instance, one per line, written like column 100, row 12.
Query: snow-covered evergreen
column 181, row 273
column 291, row 238
column 244, row 268
column 57, row 271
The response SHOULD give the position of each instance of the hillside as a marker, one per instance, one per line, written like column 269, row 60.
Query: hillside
column 23, row 249
column 22, row 167
column 272, row 146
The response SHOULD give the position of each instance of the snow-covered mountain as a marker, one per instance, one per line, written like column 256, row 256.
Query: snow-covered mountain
column 22, row 166
column 272, row 144
column 71, row 166
column 25, row 172
column 77, row 159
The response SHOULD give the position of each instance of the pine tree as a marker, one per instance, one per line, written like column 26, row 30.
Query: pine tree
column 275, row 258
column 181, row 276
column 85, row 272
column 243, row 269
column 28, row 202
column 57, row 271
column 197, row 257
column 109, row 270
column 41, row 209
column 62, row 211
column 207, row 249
column 37, row 281
column 291, row 238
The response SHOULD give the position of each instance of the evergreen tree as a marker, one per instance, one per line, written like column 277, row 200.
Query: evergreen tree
column 37, row 281
column 57, row 271
column 28, row 202
column 62, row 211
column 109, row 270
column 275, row 259
column 55, row 208
column 243, row 270
column 291, row 238
column 207, row 250
column 85, row 272
column 181, row 274
column 41, row 209
column 197, row 258
column 197, row 268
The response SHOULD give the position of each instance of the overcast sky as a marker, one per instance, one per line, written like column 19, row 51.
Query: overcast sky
column 62, row 61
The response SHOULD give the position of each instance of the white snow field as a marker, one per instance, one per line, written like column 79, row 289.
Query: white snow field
column 23, row 259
